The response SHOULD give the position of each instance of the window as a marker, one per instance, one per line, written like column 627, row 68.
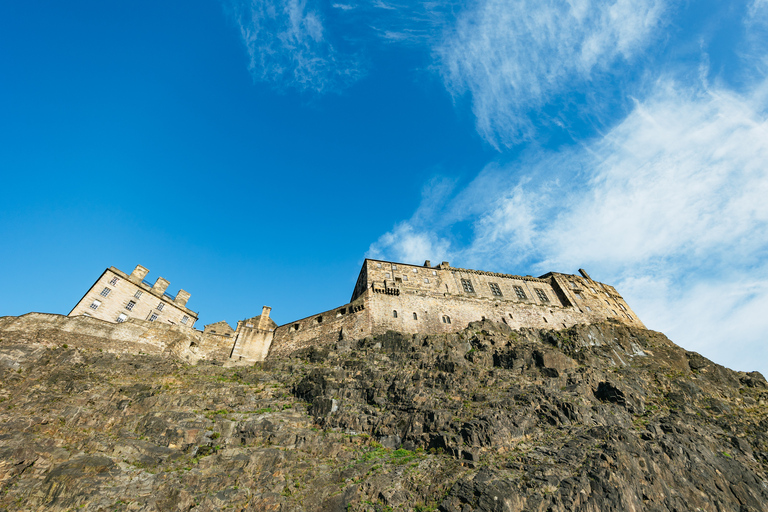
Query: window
column 95, row 304
column 394, row 314
column 137, row 294
column 378, row 265
column 467, row 285
column 184, row 319
column 573, row 285
column 446, row 319
column 519, row 292
column 320, row 319
column 296, row 326
column 105, row 292
column 160, row 306
column 113, row 282
column 589, row 308
column 415, row 316
column 415, row 271
column 543, row 296
column 622, row 307
column 388, row 275
column 578, row 296
column 426, row 280
column 130, row 305
column 394, row 267
column 405, row 277
column 495, row 289
column 249, row 325
column 152, row 317
column 593, row 290
column 434, row 272
column 122, row 318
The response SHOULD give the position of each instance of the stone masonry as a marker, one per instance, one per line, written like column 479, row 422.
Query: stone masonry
column 117, row 296
column 440, row 299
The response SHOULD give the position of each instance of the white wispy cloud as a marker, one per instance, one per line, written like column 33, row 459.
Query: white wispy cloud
column 669, row 206
column 513, row 56
column 288, row 46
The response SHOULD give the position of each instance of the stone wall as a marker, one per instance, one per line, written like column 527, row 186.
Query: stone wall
column 132, row 336
column 115, row 291
column 443, row 299
column 351, row 321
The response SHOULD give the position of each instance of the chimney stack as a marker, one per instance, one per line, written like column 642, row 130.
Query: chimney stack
column 138, row 274
column 182, row 297
column 264, row 320
column 160, row 285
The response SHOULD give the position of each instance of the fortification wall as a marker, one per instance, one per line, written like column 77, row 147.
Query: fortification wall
column 131, row 336
column 352, row 320
column 414, row 312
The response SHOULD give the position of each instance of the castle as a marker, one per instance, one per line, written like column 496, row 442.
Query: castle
column 387, row 296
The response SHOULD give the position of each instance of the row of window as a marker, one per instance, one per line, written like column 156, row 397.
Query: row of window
column 96, row 303
column 446, row 319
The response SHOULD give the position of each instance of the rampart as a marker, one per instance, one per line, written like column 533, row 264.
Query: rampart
column 131, row 336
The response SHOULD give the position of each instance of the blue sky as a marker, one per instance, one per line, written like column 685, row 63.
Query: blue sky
column 254, row 152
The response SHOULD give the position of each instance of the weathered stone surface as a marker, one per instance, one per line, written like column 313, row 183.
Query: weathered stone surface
column 595, row 417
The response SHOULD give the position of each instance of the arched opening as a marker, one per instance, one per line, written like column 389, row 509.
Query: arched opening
column 415, row 316
column 394, row 313
column 320, row 319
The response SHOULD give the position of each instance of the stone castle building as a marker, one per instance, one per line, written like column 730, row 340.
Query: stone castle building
column 387, row 296
column 441, row 299
column 117, row 296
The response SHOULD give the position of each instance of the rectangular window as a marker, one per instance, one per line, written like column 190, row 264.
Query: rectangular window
column 426, row 280
column 573, row 285
column 113, row 282
column 378, row 265
column 542, row 295
column 122, row 318
column 577, row 295
column 137, row 294
column 160, row 306
column 405, row 277
column 434, row 272
column 387, row 275
column 105, row 292
column 520, row 292
column 467, row 285
column 184, row 320
column 495, row 289
column 130, row 305
column 394, row 267
column 152, row 317
column 415, row 271
column 95, row 304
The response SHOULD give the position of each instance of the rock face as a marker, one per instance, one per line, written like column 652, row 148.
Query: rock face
column 595, row 418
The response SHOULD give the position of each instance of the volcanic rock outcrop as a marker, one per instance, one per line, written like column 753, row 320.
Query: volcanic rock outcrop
column 601, row 417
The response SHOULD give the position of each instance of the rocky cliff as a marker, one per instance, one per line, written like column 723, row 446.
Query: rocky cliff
column 595, row 418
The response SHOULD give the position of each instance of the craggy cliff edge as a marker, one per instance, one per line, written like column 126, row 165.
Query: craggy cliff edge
column 599, row 417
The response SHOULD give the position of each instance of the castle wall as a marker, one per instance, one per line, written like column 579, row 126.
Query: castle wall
column 352, row 320
column 132, row 336
column 114, row 292
column 443, row 299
